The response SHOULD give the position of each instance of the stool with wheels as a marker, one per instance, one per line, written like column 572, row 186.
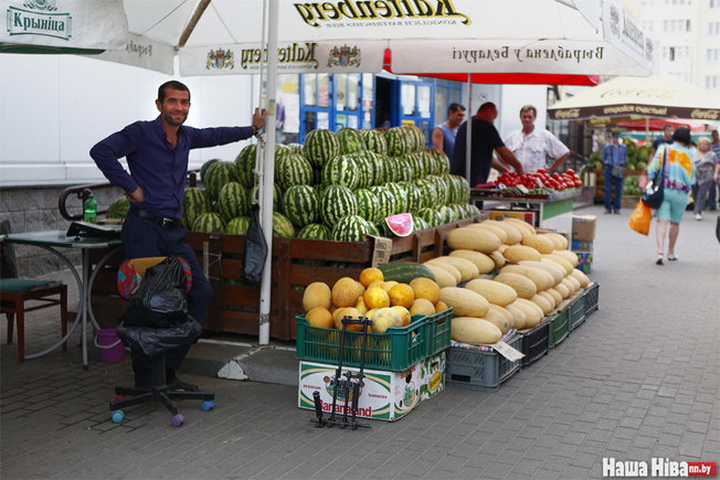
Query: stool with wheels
column 130, row 275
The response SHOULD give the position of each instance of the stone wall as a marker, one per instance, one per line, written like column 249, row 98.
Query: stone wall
column 32, row 209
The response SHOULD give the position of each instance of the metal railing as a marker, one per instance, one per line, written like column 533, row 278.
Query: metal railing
column 83, row 191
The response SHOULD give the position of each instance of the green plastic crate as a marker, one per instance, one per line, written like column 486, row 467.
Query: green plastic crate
column 480, row 370
column 439, row 326
column 559, row 327
column 396, row 350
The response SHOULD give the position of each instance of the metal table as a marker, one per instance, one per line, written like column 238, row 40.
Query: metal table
column 554, row 210
column 53, row 241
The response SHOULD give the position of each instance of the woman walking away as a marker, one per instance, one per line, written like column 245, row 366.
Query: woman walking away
column 704, row 169
column 679, row 178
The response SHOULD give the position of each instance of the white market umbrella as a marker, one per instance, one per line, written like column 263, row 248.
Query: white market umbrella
column 651, row 97
column 226, row 37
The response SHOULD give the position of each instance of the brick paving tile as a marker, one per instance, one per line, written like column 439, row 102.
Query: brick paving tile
column 630, row 383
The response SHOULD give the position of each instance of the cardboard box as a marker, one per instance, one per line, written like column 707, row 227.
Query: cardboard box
column 583, row 228
column 581, row 245
column 528, row 216
column 384, row 395
column 585, row 261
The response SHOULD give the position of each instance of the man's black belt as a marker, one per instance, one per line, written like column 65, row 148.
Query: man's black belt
column 165, row 222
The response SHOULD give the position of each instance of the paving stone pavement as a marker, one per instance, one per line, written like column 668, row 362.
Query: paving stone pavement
column 639, row 379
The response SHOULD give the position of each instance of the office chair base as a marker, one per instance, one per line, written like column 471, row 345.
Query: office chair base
column 129, row 396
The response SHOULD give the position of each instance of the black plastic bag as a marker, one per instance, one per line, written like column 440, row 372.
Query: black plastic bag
column 256, row 248
column 160, row 300
column 154, row 341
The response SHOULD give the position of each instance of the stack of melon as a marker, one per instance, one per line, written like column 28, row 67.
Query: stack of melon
column 388, row 304
column 513, row 277
column 337, row 186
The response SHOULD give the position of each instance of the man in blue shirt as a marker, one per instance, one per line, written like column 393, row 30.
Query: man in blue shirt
column 614, row 155
column 157, row 154
column 443, row 136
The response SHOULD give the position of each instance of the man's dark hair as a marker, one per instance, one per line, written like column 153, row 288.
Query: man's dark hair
column 454, row 107
column 486, row 106
column 175, row 85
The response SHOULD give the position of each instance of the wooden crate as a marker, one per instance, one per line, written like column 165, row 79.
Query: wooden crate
column 296, row 263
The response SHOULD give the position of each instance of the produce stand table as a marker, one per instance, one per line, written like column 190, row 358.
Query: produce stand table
column 296, row 263
column 554, row 210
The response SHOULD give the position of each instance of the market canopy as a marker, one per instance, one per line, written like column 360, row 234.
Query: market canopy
column 653, row 97
column 426, row 36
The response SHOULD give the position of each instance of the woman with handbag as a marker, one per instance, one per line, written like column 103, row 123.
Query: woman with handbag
column 679, row 176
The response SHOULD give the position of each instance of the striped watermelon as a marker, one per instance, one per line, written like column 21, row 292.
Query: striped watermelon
column 402, row 170
column 366, row 168
column 449, row 214
column 301, row 205
column 205, row 166
column 374, row 141
column 209, row 223
column 429, row 193
column 218, row 175
column 350, row 228
column 368, row 205
column 440, row 160
column 441, row 189
column 282, row 226
column 401, row 199
column 277, row 197
column 420, row 223
column 373, row 230
column 281, row 151
column 341, row 170
column 195, row 203
column 238, row 226
column 337, row 201
column 320, row 146
column 314, row 231
column 294, row 169
column 417, row 165
column 414, row 138
column 387, row 201
column 463, row 188
column 350, row 140
column 378, row 161
column 396, row 141
column 232, row 201
column 295, row 148
column 244, row 166
column 414, row 196
column 431, row 216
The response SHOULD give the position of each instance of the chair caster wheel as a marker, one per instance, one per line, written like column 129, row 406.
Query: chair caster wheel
column 208, row 405
column 177, row 420
column 118, row 416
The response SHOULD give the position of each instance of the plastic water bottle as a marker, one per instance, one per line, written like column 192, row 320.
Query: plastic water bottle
column 90, row 209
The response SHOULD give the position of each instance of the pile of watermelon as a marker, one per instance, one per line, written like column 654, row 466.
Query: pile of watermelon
column 337, row 186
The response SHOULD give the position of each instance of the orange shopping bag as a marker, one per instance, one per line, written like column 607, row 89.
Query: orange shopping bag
column 640, row 219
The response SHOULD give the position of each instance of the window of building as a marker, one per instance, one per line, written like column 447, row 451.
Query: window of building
column 712, row 81
column 714, row 28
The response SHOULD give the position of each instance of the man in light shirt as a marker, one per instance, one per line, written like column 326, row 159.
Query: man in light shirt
column 532, row 145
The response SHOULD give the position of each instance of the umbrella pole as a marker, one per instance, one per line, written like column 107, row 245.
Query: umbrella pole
column 266, row 207
column 468, row 139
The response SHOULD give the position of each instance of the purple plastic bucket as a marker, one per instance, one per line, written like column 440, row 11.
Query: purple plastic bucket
column 111, row 347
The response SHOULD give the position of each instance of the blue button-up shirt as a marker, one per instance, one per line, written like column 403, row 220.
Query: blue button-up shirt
column 155, row 166
column 614, row 154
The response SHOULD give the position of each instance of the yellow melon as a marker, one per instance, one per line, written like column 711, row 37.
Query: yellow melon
column 474, row 330
column 497, row 293
column 320, row 317
column 541, row 243
column 473, row 239
column 317, row 294
column 483, row 262
column 345, row 292
column 426, row 289
column 524, row 287
column 465, row 302
column 518, row 253
column 422, row 306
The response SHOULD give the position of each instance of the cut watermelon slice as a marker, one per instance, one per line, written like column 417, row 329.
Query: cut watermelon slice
column 400, row 224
